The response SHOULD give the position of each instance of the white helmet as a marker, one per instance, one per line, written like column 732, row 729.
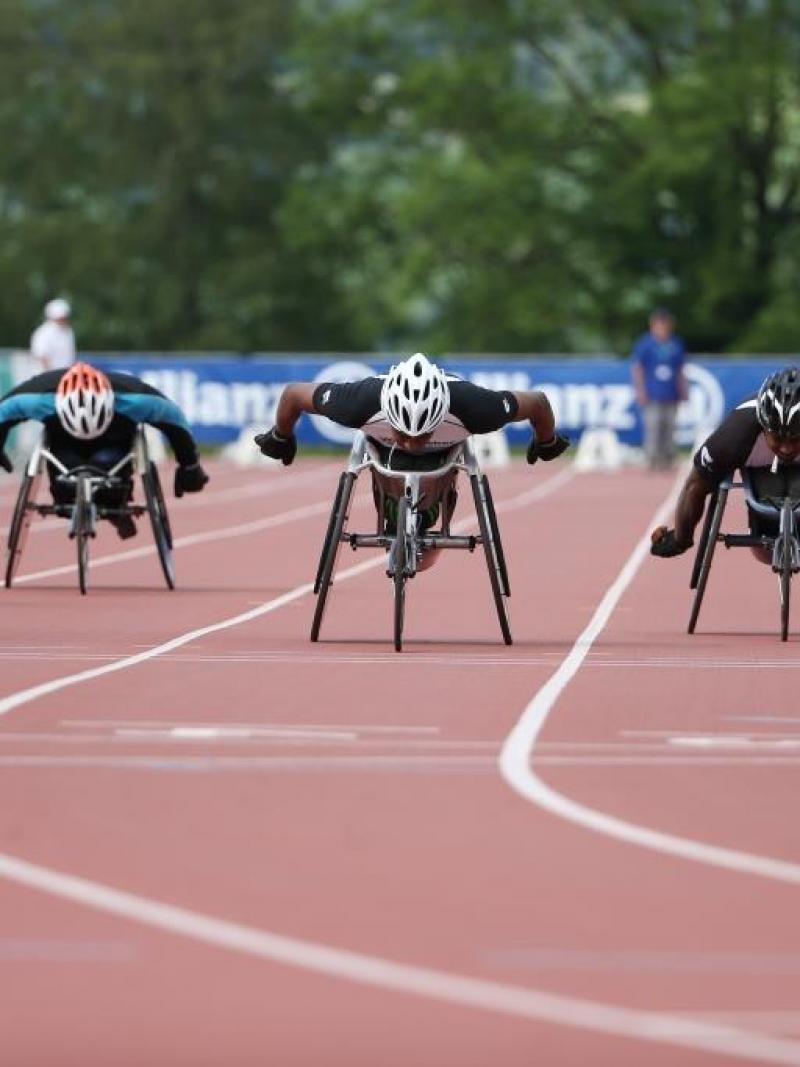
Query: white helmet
column 84, row 401
column 57, row 309
column 415, row 396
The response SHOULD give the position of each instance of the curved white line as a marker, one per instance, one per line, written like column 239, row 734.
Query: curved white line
column 380, row 973
column 519, row 749
column 25, row 696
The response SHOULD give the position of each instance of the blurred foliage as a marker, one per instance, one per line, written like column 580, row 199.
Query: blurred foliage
column 454, row 175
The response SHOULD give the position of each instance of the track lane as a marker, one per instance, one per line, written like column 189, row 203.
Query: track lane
column 457, row 842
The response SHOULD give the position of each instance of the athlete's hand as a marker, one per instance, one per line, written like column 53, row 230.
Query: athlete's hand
column 5, row 462
column 664, row 543
column 547, row 450
column 189, row 479
column 276, row 447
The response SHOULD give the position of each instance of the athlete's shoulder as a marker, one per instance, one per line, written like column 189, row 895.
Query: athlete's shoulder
column 122, row 382
column 46, row 382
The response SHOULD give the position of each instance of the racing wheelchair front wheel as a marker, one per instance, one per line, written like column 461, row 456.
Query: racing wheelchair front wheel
column 83, row 528
column 493, row 552
column 400, row 557
column 159, row 520
column 330, row 548
column 20, row 523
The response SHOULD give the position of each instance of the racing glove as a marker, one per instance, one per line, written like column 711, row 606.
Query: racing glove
column 547, row 450
column 276, row 447
column 189, row 479
column 5, row 462
column 665, row 544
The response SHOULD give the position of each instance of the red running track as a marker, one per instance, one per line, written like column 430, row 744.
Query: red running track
column 246, row 849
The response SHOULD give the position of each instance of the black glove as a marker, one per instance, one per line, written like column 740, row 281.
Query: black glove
column 5, row 462
column 666, row 545
column 189, row 479
column 276, row 447
column 547, row 450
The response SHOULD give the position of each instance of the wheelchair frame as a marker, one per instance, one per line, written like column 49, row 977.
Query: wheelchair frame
column 785, row 545
column 410, row 489
column 83, row 512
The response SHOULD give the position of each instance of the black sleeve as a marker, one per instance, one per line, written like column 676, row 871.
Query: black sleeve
column 349, row 403
column 46, row 382
column 482, row 410
column 181, row 442
column 729, row 445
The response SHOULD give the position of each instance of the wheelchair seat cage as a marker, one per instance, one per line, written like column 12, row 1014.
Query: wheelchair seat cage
column 416, row 494
column 782, row 543
column 81, row 503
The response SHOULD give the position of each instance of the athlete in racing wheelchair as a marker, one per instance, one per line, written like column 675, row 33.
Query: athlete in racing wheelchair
column 416, row 420
column 761, row 439
column 92, row 426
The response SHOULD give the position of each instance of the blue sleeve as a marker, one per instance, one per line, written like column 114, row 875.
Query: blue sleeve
column 148, row 407
column 22, row 406
column 166, row 416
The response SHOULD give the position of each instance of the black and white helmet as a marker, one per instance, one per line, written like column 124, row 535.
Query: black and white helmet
column 415, row 397
column 778, row 403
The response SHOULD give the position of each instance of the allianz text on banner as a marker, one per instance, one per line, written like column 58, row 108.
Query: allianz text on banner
column 220, row 396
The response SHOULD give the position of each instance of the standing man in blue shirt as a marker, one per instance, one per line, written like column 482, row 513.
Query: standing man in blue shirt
column 658, row 359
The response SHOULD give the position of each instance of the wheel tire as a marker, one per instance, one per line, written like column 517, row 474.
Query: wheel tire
column 492, row 559
column 331, row 546
column 708, row 556
column 498, row 544
column 83, row 532
column 400, row 575
column 159, row 521
column 698, row 556
column 18, row 530
column 329, row 531
column 786, row 569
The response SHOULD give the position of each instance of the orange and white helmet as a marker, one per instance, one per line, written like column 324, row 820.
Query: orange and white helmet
column 84, row 401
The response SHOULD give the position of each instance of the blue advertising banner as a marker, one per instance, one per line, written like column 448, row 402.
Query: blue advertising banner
column 221, row 396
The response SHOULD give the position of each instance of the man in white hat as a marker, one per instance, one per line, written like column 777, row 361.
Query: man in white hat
column 53, row 343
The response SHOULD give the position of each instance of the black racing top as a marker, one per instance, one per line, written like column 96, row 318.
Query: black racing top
column 737, row 442
column 353, row 404
column 134, row 402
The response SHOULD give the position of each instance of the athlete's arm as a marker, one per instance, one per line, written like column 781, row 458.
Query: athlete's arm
column 296, row 399
column 546, row 443
column 279, row 441
column 726, row 449
column 688, row 512
column 534, row 407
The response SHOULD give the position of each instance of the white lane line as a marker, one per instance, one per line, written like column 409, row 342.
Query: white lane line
column 378, row 973
column 518, row 748
column 25, row 696
column 205, row 500
column 220, row 534
column 92, row 724
column 365, row 759
column 213, row 763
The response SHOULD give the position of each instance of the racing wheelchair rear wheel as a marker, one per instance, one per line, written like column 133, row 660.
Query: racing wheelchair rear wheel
column 159, row 520
column 787, row 527
column 493, row 551
column 330, row 548
column 719, row 500
column 701, row 548
column 20, row 522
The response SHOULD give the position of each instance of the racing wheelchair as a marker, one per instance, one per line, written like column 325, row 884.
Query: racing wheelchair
column 772, row 496
column 85, row 494
column 424, row 492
